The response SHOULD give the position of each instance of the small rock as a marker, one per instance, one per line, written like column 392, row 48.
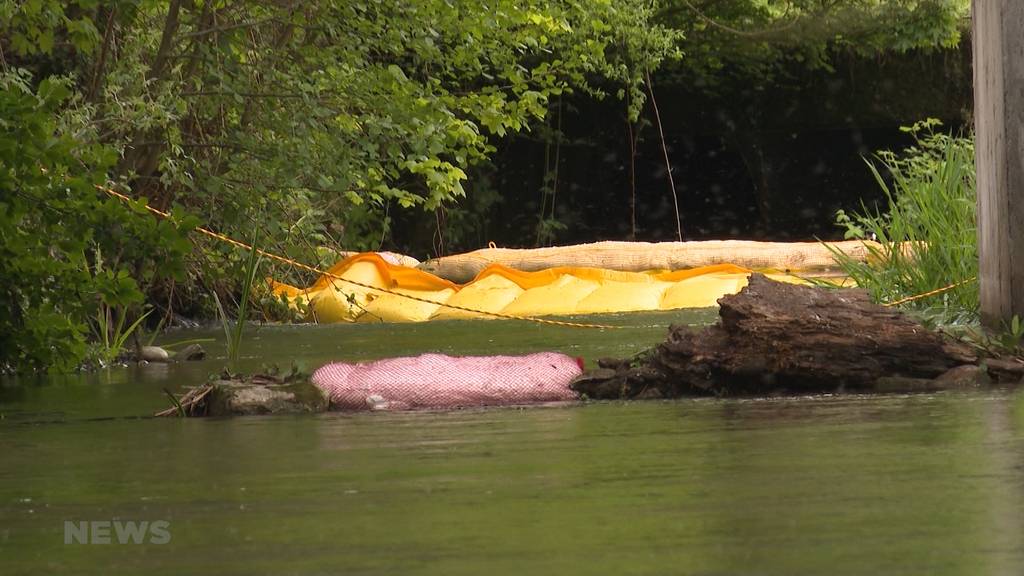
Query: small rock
column 1005, row 370
column 966, row 376
column 241, row 398
column 649, row 393
column 154, row 354
column 600, row 383
column 591, row 377
column 179, row 321
column 613, row 363
column 191, row 353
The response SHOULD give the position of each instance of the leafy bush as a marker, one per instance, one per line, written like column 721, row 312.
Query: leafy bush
column 69, row 256
column 927, row 233
column 323, row 117
column 751, row 40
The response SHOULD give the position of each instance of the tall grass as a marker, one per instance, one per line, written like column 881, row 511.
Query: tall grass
column 927, row 232
column 113, row 333
column 233, row 333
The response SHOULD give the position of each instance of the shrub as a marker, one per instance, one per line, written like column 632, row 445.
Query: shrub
column 68, row 254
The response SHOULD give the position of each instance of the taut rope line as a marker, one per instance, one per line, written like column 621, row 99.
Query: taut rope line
column 930, row 292
column 308, row 268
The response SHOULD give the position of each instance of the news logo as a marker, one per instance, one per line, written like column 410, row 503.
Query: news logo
column 117, row 532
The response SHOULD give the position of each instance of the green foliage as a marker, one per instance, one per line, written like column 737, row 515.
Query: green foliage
column 1005, row 341
column 1012, row 335
column 1009, row 339
column 319, row 115
column 36, row 25
column 750, row 39
column 316, row 116
column 322, row 117
column 113, row 334
column 66, row 251
column 927, row 236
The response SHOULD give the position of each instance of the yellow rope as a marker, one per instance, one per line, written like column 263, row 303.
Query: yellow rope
column 930, row 293
column 315, row 270
column 332, row 276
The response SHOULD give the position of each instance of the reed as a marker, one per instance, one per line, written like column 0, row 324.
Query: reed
column 233, row 333
column 926, row 232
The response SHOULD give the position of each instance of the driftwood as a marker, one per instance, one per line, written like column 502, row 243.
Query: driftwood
column 775, row 337
column 191, row 403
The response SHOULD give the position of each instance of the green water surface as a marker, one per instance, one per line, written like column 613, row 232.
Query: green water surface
column 920, row 484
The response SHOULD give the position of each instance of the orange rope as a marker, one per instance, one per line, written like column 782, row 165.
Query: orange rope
column 328, row 274
column 930, row 293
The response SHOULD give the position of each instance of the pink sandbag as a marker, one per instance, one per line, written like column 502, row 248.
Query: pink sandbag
column 440, row 381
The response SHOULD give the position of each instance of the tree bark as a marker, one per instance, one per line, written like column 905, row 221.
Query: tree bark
column 776, row 337
column 999, row 129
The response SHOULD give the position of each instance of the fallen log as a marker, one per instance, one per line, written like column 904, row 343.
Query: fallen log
column 774, row 337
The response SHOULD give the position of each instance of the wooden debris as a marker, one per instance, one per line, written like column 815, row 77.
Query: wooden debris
column 190, row 404
column 775, row 337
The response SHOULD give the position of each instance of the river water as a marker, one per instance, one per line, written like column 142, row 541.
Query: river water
column 891, row 484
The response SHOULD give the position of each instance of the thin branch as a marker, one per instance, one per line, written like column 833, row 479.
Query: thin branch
column 245, row 94
column 228, row 27
column 247, row 24
column 558, row 153
column 632, row 176
column 664, row 150
column 748, row 33
column 232, row 145
column 185, row 405
column 101, row 63
column 166, row 39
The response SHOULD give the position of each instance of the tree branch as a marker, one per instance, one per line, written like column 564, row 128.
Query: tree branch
column 101, row 63
column 245, row 94
column 228, row 27
column 748, row 33
column 166, row 40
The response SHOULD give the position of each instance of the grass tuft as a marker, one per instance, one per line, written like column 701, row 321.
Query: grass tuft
column 927, row 234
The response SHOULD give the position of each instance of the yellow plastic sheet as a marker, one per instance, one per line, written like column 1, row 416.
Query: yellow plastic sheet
column 365, row 288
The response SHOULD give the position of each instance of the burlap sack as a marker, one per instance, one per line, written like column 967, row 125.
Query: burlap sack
column 801, row 257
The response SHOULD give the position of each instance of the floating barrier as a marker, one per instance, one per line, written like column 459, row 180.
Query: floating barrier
column 420, row 294
column 367, row 288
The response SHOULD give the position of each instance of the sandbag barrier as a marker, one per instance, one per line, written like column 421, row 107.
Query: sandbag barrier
column 377, row 291
column 786, row 257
